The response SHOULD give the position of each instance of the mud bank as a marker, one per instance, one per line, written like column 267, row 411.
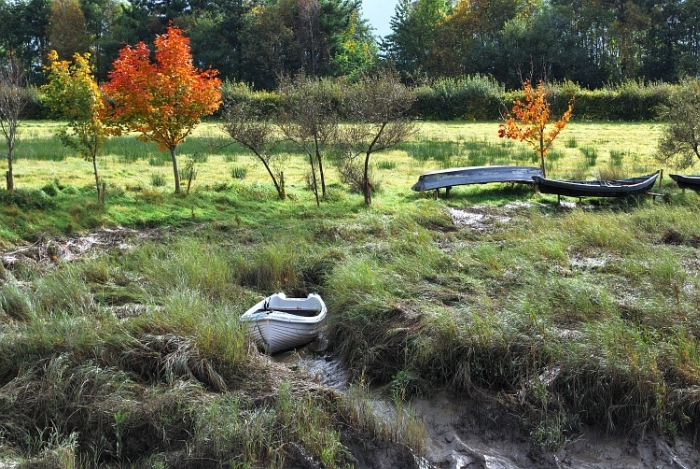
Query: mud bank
column 475, row 433
column 480, row 433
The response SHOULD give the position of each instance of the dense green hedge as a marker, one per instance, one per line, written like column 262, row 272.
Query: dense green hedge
column 236, row 92
column 470, row 98
column 481, row 98
column 630, row 101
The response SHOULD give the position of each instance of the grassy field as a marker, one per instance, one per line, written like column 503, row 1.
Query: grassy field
column 582, row 150
column 572, row 316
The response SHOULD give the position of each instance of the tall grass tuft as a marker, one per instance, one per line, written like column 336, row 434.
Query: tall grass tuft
column 440, row 151
column 590, row 156
column 15, row 302
column 616, row 158
column 157, row 180
column 63, row 292
column 239, row 172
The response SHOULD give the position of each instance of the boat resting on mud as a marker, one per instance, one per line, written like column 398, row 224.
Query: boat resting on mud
column 279, row 323
column 597, row 188
column 687, row 182
column 447, row 178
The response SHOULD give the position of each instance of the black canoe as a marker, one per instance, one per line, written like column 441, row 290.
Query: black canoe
column 687, row 182
column 476, row 175
column 600, row 188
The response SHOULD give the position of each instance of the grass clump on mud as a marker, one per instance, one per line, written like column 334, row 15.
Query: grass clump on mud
column 573, row 317
column 160, row 372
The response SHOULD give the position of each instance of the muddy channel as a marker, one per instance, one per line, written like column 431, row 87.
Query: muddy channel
column 477, row 432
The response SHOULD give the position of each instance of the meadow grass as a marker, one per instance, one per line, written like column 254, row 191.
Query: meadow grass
column 133, row 354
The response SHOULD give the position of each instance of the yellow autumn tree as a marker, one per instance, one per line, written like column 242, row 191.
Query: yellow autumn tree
column 530, row 122
column 71, row 92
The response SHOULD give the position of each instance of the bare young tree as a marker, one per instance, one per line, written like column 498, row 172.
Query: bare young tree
column 679, row 146
column 246, row 125
column 309, row 117
column 14, row 97
column 377, row 106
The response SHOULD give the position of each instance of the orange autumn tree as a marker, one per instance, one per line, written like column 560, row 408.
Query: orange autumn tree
column 529, row 121
column 163, row 100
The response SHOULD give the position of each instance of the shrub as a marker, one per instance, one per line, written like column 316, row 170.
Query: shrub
column 234, row 93
column 474, row 97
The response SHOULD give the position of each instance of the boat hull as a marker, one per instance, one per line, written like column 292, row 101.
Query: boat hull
column 612, row 188
column 275, row 331
column 687, row 182
column 476, row 175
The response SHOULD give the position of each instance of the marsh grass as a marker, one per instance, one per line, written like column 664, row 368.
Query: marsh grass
column 160, row 378
column 590, row 156
column 581, row 315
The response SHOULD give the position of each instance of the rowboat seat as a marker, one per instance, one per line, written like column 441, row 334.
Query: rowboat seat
column 298, row 306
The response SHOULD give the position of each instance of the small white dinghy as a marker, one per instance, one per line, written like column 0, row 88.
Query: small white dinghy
column 279, row 323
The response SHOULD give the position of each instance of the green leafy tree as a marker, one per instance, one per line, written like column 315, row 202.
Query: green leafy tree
column 72, row 93
column 67, row 29
column 357, row 52
column 679, row 146
column 415, row 29
column 23, row 33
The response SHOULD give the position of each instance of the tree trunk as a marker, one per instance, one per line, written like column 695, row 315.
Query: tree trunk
column 176, row 173
column 365, row 181
column 313, row 178
column 97, row 178
column 8, row 175
column 542, row 166
column 278, row 185
column 320, row 171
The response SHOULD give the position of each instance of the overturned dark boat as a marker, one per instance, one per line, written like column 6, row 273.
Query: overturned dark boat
column 447, row 178
column 687, row 182
column 597, row 188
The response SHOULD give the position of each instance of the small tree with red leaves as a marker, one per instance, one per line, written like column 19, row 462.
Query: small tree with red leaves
column 529, row 121
column 162, row 100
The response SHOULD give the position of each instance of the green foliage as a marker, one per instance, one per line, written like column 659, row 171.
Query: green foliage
column 236, row 93
column 474, row 97
column 679, row 146
column 630, row 101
